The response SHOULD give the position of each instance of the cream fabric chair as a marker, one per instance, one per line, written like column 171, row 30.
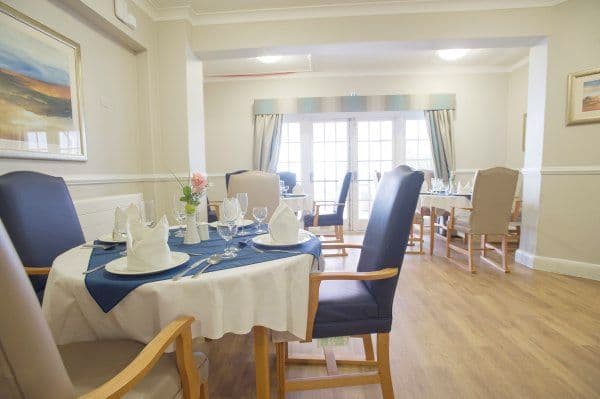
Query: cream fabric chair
column 262, row 189
column 490, row 215
column 33, row 367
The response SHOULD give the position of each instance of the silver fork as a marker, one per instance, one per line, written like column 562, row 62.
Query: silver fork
column 92, row 270
column 187, row 269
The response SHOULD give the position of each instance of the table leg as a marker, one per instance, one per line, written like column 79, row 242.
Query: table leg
column 261, row 361
column 431, row 229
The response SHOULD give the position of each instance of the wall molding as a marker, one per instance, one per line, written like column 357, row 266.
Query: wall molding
column 186, row 11
column 564, row 170
column 558, row 265
column 85, row 180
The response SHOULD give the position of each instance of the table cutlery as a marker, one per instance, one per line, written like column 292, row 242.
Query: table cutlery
column 101, row 246
column 187, row 269
column 94, row 269
column 194, row 253
column 212, row 260
column 262, row 251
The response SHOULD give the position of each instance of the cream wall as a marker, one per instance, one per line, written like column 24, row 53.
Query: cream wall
column 516, row 106
column 480, row 117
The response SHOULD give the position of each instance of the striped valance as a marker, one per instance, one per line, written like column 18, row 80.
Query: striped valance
column 309, row 105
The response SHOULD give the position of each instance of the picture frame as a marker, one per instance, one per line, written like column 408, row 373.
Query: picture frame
column 583, row 97
column 41, row 97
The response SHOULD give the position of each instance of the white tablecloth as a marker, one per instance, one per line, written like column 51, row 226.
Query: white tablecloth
column 443, row 201
column 272, row 294
column 298, row 204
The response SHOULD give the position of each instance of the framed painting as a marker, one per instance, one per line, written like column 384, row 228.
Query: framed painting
column 40, row 91
column 583, row 97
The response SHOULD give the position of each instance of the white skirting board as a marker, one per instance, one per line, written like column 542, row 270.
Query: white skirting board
column 557, row 265
column 97, row 215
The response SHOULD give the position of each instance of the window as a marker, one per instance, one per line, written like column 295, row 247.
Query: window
column 290, row 150
column 418, row 145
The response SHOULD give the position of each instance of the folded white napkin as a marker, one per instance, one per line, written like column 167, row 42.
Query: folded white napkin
column 298, row 189
column 147, row 247
column 132, row 212
column 284, row 225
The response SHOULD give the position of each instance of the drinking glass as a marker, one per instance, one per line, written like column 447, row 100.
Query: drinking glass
column 178, row 213
column 148, row 212
column 230, row 210
column 227, row 232
column 243, row 202
column 260, row 214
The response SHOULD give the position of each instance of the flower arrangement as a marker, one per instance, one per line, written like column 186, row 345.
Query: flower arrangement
column 193, row 191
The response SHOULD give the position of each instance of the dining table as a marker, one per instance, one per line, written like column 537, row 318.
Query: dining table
column 438, row 202
column 264, row 292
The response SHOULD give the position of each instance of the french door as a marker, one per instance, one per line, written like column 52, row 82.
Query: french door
column 322, row 148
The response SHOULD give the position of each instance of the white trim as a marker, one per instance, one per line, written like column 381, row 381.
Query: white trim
column 187, row 12
column 559, row 266
column 83, row 180
column 344, row 74
column 465, row 171
column 522, row 62
column 564, row 170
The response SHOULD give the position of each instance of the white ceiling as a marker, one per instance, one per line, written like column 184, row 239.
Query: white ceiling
column 206, row 12
column 373, row 60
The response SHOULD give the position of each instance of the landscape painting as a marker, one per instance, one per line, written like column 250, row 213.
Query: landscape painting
column 584, row 97
column 40, row 115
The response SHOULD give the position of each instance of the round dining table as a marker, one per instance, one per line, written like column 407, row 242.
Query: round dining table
column 264, row 297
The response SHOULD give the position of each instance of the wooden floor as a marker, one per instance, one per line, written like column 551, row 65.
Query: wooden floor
column 528, row 334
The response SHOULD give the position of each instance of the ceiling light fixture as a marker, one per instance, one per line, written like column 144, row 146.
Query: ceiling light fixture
column 269, row 59
column 452, row 54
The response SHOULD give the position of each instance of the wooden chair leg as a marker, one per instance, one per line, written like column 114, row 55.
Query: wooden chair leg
column 448, row 240
column 484, row 245
column 204, row 391
column 421, row 235
column 368, row 345
column 470, row 252
column 505, row 254
column 339, row 235
column 280, row 353
column 383, row 365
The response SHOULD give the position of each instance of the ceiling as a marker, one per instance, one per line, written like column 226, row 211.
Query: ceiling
column 370, row 60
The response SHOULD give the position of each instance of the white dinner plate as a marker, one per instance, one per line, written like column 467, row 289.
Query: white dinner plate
column 243, row 223
column 119, row 266
column 266, row 240
column 108, row 238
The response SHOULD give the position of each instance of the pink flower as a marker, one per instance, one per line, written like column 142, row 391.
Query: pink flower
column 199, row 182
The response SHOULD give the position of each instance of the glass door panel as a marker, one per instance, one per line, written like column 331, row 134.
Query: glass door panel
column 329, row 160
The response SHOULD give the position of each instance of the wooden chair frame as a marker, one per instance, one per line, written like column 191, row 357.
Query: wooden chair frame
column 485, row 246
column 339, row 229
column 417, row 220
column 333, row 380
column 180, row 331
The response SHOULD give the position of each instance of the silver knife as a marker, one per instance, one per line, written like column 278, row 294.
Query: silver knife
column 187, row 269
column 94, row 269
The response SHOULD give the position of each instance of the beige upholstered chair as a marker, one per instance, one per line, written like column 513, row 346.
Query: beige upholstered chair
column 262, row 189
column 490, row 214
column 33, row 367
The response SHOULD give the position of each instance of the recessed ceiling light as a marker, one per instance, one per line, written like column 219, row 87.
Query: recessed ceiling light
column 269, row 59
column 452, row 54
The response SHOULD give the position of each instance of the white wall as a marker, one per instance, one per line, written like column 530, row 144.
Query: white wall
column 480, row 115
column 516, row 107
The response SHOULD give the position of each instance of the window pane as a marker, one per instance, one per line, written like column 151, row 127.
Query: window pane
column 318, row 152
column 364, row 171
column 412, row 149
column 294, row 152
column 386, row 130
column 330, row 131
column 330, row 171
column 424, row 149
column 318, row 134
column 341, row 151
column 412, row 130
column 294, row 132
column 375, row 132
column 375, row 150
column 283, row 153
column 341, row 129
column 386, row 150
column 363, row 192
column 319, row 171
column 363, row 151
column 363, row 131
column 331, row 191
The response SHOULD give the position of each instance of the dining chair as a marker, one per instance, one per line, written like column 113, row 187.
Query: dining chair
column 489, row 215
column 262, row 189
column 40, row 218
column 228, row 176
column 335, row 219
column 360, row 303
column 289, row 179
column 32, row 366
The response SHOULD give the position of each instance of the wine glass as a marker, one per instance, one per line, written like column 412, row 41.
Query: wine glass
column 260, row 214
column 230, row 210
column 148, row 212
column 227, row 232
column 243, row 202
column 178, row 213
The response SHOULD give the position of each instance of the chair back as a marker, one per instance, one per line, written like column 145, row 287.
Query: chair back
column 289, row 179
column 343, row 197
column 30, row 364
column 39, row 215
column 387, row 232
column 492, row 200
column 228, row 176
column 262, row 189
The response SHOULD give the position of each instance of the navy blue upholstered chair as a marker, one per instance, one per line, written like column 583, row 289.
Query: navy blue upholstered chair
column 289, row 179
column 335, row 219
column 40, row 218
column 360, row 303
